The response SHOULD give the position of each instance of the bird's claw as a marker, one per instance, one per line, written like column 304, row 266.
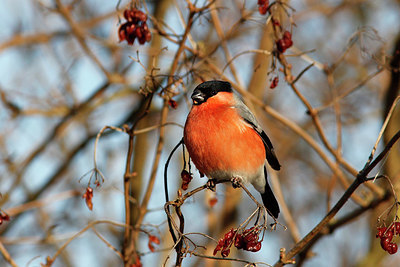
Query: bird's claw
column 211, row 184
column 236, row 182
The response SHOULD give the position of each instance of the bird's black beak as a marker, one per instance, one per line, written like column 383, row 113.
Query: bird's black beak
column 198, row 97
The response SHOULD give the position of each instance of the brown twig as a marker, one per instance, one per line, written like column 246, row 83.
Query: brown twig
column 360, row 179
column 7, row 255
column 128, row 250
column 89, row 226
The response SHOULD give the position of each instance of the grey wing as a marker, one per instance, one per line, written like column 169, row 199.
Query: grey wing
column 249, row 117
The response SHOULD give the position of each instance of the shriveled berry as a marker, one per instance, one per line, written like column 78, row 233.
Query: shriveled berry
column 263, row 9
column 263, row 6
column 239, row 242
column 285, row 42
column 274, row 82
column 225, row 252
column 218, row 247
column 254, row 247
column 186, row 178
column 229, row 235
column 172, row 103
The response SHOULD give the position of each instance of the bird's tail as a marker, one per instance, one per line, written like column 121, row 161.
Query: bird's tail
column 269, row 200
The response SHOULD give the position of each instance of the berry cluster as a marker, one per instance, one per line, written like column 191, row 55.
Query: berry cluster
column 135, row 27
column 4, row 217
column 285, row 42
column 88, row 195
column 263, row 6
column 248, row 240
column 386, row 235
column 186, row 178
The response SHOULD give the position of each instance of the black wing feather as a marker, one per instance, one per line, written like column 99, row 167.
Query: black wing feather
column 269, row 149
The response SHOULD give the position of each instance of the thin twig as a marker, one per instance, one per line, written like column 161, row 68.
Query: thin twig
column 361, row 178
column 7, row 255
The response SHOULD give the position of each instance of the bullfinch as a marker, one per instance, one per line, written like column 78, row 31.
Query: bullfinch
column 225, row 141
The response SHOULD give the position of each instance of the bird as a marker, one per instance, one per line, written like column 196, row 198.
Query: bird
column 225, row 141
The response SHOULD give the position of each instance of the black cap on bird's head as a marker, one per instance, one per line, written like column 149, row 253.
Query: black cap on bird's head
column 208, row 89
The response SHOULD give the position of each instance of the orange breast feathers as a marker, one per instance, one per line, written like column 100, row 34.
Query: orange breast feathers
column 218, row 139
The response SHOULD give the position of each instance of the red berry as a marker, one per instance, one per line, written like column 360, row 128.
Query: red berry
column 287, row 35
column 274, row 82
column 148, row 36
column 138, row 32
column 385, row 243
column 239, row 242
column 131, row 39
column 218, row 247
column 229, row 235
column 130, row 28
column 263, row 9
column 135, row 27
column 381, row 231
column 186, row 178
column 142, row 40
column 397, row 227
column 145, row 27
column 254, row 246
column 389, row 234
column 225, row 252
column 126, row 14
column 281, row 45
column 172, row 103
column 393, row 248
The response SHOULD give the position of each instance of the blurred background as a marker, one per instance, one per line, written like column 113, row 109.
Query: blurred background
column 65, row 74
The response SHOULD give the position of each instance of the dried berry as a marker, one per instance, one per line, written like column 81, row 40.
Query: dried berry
column 172, row 103
column 88, row 195
column 186, row 178
column 4, row 217
column 285, row 42
column 153, row 240
column 274, row 82
column 225, row 243
column 263, row 6
column 225, row 252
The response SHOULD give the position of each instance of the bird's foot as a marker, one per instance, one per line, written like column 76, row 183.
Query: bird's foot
column 211, row 184
column 236, row 182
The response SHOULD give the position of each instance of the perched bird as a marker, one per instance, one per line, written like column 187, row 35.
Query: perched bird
column 225, row 141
